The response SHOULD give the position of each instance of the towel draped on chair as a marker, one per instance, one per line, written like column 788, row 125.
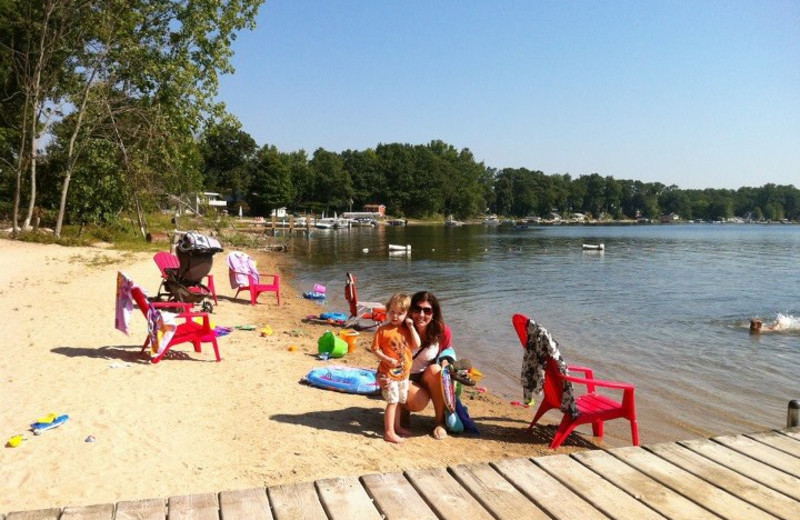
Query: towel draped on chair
column 540, row 347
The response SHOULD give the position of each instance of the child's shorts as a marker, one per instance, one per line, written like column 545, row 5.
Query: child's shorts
column 395, row 391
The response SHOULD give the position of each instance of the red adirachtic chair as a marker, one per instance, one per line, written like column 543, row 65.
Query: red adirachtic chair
column 594, row 408
column 166, row 260
column 188, row 332
column 245, row 277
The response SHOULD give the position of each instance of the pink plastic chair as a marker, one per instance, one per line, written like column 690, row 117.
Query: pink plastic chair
column 245, row 277
column 594, row 408
column 188, row 332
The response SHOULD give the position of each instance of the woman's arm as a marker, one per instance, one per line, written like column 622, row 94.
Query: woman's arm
column 446, row 339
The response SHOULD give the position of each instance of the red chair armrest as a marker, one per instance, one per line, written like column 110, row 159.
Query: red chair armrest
column 600, row 382
column 197, row 314
column 166, row 305
column 588, row 372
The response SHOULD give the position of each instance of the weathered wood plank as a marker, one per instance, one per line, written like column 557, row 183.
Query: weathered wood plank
column 496, row 493
column 203, row 506
column 396, row 498
column 745, row 488
column 546, row 492
column 150, row 509
column 758, row 471
column 640, row 486
column 794, row 433
column 717, row 500
column 778, row 441
column 244, row 504
column 295, row 502
column 766, row 454
column 599, row 492
column 40, row 514
column 445, row 496
column 93, row 512
column 344, row 498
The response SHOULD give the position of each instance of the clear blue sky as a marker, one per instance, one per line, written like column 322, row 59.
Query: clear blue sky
column 701, row 94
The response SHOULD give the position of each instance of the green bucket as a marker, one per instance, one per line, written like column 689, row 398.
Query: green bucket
column 331, row 344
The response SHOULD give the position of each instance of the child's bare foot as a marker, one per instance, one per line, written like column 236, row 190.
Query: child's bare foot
column 403, row 432
column 393, row 437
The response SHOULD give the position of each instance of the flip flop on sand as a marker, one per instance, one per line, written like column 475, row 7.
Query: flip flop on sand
column 439, row 433
column 459, row 371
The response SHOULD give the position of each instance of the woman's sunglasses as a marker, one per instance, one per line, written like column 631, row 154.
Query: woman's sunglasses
column 423, row 310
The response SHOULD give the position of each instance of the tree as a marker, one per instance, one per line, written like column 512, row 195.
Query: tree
column 271, row 181
column 159, row 59
column 226, row 151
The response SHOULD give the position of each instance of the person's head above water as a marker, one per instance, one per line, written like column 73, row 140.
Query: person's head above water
column 755, row 325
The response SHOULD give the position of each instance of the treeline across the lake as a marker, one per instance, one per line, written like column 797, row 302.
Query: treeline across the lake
column 435, row 180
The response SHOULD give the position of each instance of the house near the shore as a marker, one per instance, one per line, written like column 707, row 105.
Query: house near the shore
column 671, row 217
column 374, row 211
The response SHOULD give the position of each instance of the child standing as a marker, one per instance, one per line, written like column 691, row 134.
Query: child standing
column 392, row 344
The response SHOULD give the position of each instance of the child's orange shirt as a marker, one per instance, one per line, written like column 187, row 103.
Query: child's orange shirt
column 395, row 342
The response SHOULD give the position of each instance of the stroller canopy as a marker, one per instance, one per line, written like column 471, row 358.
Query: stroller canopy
column 193, row 242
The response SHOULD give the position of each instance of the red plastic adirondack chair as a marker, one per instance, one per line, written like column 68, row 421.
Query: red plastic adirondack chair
column 594, row 408
column 166, row 260
column 188, row 332
column 244, row 277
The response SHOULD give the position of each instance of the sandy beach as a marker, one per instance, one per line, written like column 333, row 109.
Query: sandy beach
column 189, row 424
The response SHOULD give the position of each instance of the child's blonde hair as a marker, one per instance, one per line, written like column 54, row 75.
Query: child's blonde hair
column 402, row 300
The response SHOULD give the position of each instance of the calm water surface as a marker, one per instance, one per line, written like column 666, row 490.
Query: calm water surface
column 664, row 307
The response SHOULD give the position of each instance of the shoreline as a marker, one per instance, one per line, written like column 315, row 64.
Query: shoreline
column 190, row 424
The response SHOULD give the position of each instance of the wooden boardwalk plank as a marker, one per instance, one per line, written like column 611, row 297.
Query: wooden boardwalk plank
column 203, row 506
column 662, row 499
column 758, row 471
column 93, row 512
column 344, row 498
column 766, row 454
column 743, row 487
column 396, row 498
column 547, row 492
column 40, row 514
column 296, row 502
column 496, row 493
column 245, row 504
column 598, row 491
column 778, row 441
column 794, row 433
column 445, row 495
column 699, row 491
column 149, row 509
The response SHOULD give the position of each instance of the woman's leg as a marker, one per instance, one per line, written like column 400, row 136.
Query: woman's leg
column 418, row 398
column 432, row 381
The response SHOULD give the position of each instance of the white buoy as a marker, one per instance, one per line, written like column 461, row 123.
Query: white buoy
column 365, row 250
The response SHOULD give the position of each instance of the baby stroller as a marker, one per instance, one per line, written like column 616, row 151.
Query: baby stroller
column 195, row 254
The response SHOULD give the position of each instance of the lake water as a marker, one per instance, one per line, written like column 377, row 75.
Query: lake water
column 665, row 307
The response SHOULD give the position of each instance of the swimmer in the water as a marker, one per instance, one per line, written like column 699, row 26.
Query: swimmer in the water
column 757, row 326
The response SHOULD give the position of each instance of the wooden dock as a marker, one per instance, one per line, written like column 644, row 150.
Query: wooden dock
column 748, row 477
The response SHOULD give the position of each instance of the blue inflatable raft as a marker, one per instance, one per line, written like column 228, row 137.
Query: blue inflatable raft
column 313, row 295
column 344, row 379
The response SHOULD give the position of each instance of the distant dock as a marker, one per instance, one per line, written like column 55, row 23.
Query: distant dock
column 747, row 476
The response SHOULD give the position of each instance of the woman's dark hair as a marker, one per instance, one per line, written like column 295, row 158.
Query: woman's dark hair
column 435, row 328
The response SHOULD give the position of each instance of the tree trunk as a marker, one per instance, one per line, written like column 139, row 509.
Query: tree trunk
column 71, row 154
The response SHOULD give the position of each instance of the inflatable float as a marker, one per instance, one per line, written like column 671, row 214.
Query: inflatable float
column 344, row 379
column 314, row 295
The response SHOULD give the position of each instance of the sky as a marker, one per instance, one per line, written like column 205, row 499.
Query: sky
column 697, row 94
